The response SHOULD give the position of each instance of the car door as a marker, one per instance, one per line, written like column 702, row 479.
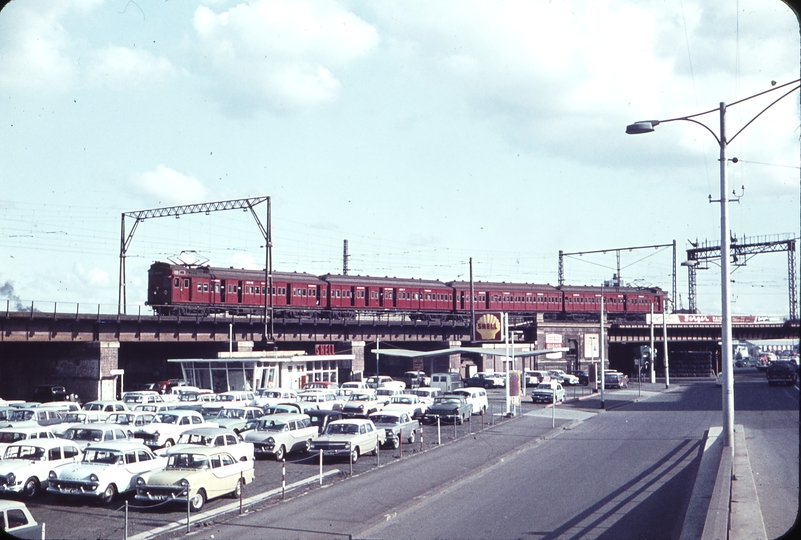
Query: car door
column 226, row 474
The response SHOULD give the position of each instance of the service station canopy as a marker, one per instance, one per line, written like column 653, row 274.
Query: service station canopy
column 408, row 353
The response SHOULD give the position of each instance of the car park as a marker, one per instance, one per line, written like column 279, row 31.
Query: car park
column 449, row 407
column 362, row 404
column 216, row 437
column 280, row 434
column 352, row 437
column 397, row 426
column 16, row 520
column 196, row 475
column 168, row 426
column 320, row 418
column 85, row 435
column 548, row 392
column 13, row 435
column 408, row 403
column 782, row 372
column 105, row 470
column 25, row 465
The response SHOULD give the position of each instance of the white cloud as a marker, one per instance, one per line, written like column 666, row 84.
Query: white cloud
column 122, row 68
column 281, row 53
column 168, row 186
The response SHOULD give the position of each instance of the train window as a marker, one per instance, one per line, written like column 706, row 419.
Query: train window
column 337, row 292
column 199, row 287
column 217, row 288
column 177, row 282
column 303, row 292
column 294, row 291
column 312, row 292
column 205, row 287
column 186, row 283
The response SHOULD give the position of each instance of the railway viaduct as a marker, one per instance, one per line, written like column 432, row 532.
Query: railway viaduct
column 83, row 352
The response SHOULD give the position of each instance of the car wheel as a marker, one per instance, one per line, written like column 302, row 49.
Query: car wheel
column 460, row 419
column 31, row 488
column 279, row 454
column 108, row 494
column 197, row 501
column 168, row 443
column 240, row 486
column 354, row 455
column 395, row 443
column 412, row 436
column 307, row 446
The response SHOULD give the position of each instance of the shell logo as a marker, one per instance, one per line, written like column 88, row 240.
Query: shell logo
column 488, row 326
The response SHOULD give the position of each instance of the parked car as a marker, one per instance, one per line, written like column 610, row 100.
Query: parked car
column 16, row 520
column 320, row 399
column 583, row 376
column 397, row 426
column 13, row 435
column 32, row 417
column 427, row 394
column 616, row 380
column 450, row 407
column 131, row 399
column 85, row 435
column 321, row 385
column 237, row 397
column 75, row 419
column 131, row 420
column 354, row 385
column 25, row 465
column 168, row 426
column 476, row 397
column 408, row 403
column 351, row 437
column 415, row 379
column 565, row 378
column 782, row 372
column 548, row 392
column 217, row 437
column 106, row 470
column 198, row 475
column 266, row 397
column 362, row 404
column 446, row 381
column 377, row 381
column 484, row 380
column 280, row 434
column 385, row 393
column 283, row 408
column 52, row 392
column 235, row 418
column 535, row 377
column 105, row 408
column 320, row 418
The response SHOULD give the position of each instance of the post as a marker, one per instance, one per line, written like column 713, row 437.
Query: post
column 439, row 433
column 377, row 359
column 651, row 351
column 321, row 467
column 472, row 305
column 188, row 508
column 665, row 344
column 283, row 478
column 602, row 352
column 126, row 522
column 553, row 409
column 505, row 324
column 725, row 299
column 241, row 490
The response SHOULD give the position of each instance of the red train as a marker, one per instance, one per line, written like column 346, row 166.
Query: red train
column 177, row 289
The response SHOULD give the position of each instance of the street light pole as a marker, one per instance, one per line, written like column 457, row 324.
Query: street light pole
column 725, row 243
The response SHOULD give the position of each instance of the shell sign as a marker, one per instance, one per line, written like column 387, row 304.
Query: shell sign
column 488, row 326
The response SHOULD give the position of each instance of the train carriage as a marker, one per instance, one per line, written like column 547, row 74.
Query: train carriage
column 376, row 293
column 511, row 297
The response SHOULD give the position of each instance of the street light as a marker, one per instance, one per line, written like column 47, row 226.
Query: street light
column 647, row 126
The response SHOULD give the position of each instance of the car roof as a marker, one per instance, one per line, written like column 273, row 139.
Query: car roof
column 6, row 504
column 45, row 443
column 283, row 416
column 210, row 431
column 121, row 445
column 197, row 449
column 351, row 421
column 24, row 429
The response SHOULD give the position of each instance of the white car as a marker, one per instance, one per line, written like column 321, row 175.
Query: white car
column 385, row 393
column 105, row 471
column 85, row 435
column 477, row 397
column 408, row 403
column 237, row 397
column 131, row 420
column 25, row 465
column 168, row 426
column 564, row 378
column 320, row 399
column 427, row 394
column 12, row 435
column 216, row 437
column 106, row 407
column 267, row 397
column 17, row 521
column 279, row 434
column 353, row 437
column 74, row 419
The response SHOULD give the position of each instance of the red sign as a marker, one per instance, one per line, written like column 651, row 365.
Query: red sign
column 324, row 349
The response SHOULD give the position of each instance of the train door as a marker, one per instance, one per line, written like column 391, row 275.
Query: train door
column 222, row 290
column 239, row 292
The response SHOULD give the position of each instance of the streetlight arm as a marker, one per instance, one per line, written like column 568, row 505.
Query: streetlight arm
column 765, row 109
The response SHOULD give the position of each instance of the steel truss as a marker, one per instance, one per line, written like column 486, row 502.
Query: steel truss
column 741, row 251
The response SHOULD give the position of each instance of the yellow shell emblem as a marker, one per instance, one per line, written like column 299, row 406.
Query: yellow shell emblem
column 488, row 326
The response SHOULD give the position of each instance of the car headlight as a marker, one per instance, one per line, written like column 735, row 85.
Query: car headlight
column 140, row 481
column 361, row 407
column 11, row 478
column 270, row 440
column 184, row 483
column 93, row 478
column 52, row 475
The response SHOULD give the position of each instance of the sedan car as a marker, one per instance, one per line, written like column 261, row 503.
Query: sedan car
column 352, row 437
column 85, row 435
column 196, row 475
column 548, row 392
column 235, row 418
column 564, row 378
column 215, row 437
column 25, row 466
column 450, row 407
column 105, row 471
column 17, row 521
column 278, row 434
column 398, row 426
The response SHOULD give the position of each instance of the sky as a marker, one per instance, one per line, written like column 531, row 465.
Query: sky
column 423, row 133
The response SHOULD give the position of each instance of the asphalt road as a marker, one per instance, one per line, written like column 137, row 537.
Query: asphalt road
column 625, row 472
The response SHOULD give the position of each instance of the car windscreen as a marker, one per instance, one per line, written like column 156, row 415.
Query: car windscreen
column 384, row 419
column 342, row 429
column 99, row 455
column 188, row 461
column 82, row 434
column 166, row 418
column 231, row 413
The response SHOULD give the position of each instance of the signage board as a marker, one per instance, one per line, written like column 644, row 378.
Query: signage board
column 553, row 341
column 591, row 349
column 488, row 327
